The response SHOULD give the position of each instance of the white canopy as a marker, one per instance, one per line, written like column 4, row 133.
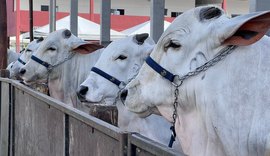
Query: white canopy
column 87, row 30
column 142, row 28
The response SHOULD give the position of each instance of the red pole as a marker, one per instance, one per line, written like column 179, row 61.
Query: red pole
column 224, row 5
column 91, row 10
column 18, row 21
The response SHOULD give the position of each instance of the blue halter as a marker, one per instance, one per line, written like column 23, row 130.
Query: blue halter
column 106, row 76
column 21, row 61
column 45, row 64
column 162, row 71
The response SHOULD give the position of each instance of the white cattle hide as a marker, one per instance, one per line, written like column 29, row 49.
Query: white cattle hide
column 12, row 56
column 122, row 59
column 72, row 63
column 25, row 57
column 224, row 110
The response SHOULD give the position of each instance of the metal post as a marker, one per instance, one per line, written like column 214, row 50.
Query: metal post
column 157, row 19
column 3, row 34
column 259, row 5
column 31, row 20
column 105, row 22
column 74, row 17
column 52, row 15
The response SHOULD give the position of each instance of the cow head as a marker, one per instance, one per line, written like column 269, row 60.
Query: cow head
column 192, row 39
column 25, row 57
column 122, row 59
column 54, row 51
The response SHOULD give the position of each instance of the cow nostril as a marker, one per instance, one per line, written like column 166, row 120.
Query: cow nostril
column 124, row 94
column 83, row 90
column 22, row 71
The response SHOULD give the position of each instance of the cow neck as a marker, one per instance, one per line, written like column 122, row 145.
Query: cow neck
column 177, row 81
column 73, row 73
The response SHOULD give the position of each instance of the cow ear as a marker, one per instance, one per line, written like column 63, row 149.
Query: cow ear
column 87, row 48
column 245, row 30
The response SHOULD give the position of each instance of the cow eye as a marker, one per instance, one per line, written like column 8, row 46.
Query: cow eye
column 52, row 49
column 172, row 44
column 121, row 57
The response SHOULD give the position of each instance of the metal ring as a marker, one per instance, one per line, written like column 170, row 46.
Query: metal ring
column 177, row 79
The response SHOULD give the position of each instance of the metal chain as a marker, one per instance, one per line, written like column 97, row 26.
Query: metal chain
column 64, row 60
column 180, row 80
column 206, row 66
column 175, row 104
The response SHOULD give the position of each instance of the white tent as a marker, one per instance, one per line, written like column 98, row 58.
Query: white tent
column 87, row 30
column 142, row 28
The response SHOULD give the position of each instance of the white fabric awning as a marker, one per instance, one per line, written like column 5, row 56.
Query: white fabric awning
column 142, row 28
column 87, row 30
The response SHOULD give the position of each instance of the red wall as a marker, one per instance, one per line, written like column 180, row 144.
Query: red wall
column 11, row 18
column 118, row 22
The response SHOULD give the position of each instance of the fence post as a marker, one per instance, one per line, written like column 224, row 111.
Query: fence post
column 52, row 15
column 105, row 22
column 157, row 19
column 74, row 17
column 4, row 127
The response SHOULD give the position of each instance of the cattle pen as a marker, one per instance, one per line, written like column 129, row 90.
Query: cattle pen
column 35, row 124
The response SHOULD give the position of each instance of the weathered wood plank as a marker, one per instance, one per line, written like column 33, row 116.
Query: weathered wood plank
column 38, row 127
column 106, row 113
column 4, row 136
column 88, row 141
column 142, row 146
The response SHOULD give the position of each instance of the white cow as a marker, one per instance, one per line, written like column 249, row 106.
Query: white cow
column 24, row 58
column 121, row 60
column 63, row 60
column 12, row 56
column 224, row 108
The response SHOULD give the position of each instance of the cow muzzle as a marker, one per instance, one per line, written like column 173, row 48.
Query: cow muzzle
column 81, row 93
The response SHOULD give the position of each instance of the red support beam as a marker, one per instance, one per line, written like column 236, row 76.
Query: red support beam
column 91, row 10
column 224, row 5
column 18, row 21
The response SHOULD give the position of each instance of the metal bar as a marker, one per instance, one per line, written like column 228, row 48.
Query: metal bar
column 31, row 20
column 18, row 23
column 52, row 15
column 105, row 22
column 74, row 17
column 3, row 34
column 157, row 19
column 66, row 127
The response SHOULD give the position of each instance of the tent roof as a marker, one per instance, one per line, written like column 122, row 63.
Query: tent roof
column 86, row 29
column 142, row 28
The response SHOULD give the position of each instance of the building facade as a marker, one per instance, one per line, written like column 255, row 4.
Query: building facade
column 134, row 7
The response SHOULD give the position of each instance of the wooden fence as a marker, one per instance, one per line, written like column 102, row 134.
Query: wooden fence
column 34, row 124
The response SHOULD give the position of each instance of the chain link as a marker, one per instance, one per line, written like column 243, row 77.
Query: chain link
column 198, row 70
column 209, row 64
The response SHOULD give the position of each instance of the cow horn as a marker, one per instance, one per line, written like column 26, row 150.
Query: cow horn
column 140, row 38
column 209, row 13
column 66, row 33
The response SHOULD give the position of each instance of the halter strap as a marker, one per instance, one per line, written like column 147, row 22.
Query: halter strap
column 45, row 64
column 106, row 76
column 21, row 61
column 162, row 71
